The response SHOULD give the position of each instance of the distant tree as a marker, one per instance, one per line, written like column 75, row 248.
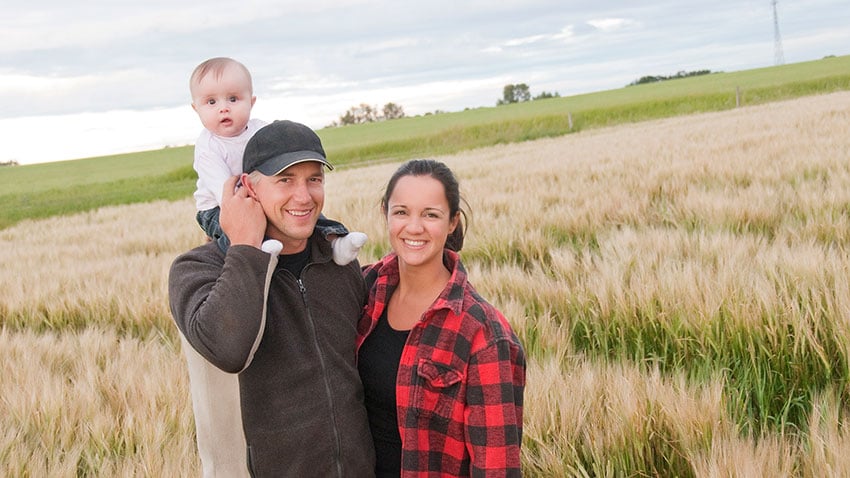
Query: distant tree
column 514, row 94
column 546, row 94
column 347, row 118
column 393, row 111
column 359, row 115
column 646, row 79
column 368, row 114
column 10, row 162
column 656, row 78
column 522, row 92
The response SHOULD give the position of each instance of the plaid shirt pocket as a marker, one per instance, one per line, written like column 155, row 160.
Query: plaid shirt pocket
column 436, row 388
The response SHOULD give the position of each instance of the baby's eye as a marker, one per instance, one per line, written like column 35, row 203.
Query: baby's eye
column 211, row 102
column 232, row 99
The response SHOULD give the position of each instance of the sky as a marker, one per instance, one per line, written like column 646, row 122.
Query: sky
column 98, row 77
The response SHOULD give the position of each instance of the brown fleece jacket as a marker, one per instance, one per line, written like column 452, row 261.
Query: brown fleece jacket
column 292, row 342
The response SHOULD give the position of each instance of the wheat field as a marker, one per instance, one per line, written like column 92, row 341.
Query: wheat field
column 681, row 287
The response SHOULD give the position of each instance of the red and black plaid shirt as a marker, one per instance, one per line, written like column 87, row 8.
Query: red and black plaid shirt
column 460, row 380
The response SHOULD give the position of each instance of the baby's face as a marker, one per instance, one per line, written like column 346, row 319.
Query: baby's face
column 224, row 102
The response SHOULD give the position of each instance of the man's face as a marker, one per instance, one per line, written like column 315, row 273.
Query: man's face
column 292, row 201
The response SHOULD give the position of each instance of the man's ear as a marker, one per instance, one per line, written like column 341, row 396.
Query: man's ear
column 245, row 182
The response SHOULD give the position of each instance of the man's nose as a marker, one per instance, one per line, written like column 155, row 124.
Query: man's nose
column 301, row 192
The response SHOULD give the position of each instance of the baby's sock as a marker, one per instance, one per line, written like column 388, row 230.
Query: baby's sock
column 272, row 246
column 345, row 248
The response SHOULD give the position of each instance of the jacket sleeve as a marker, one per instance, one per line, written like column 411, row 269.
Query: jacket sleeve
column 496, row 381
column 219, row 304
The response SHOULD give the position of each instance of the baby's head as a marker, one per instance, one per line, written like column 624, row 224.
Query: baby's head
column 222, row 95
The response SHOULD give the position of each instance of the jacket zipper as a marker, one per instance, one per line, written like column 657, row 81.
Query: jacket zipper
column 328, row 391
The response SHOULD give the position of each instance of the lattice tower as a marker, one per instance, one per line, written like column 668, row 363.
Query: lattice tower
column 778, row 56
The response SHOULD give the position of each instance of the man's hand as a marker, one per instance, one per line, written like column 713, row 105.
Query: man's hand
column 242, row 217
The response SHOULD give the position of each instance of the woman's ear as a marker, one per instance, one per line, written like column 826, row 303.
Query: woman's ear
column 454, row 222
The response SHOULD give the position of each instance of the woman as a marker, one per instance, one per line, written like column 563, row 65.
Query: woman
column 442, row 370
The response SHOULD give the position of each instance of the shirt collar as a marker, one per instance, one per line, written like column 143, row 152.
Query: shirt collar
column 452, row 295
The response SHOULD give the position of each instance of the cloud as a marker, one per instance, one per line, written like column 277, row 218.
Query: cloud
column 31, row 26
column 55, row 94
column 611, row 24
column 308, row 82
column 566, row 34
column 23, row 83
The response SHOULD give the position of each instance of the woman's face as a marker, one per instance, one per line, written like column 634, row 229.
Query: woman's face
column 418, row 220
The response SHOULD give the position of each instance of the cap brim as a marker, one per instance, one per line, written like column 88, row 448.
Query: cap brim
column 276, row 165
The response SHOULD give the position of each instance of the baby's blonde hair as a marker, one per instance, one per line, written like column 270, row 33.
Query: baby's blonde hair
column 216, row 66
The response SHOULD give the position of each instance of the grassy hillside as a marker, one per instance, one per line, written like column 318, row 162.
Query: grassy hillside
column 785, row 81
column 43, row 190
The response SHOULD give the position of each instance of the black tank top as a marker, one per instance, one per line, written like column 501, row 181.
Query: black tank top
column 378, row 364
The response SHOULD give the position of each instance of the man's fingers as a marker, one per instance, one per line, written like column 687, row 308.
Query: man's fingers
column 229, row 187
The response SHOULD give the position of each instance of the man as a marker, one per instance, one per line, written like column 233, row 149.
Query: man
column 285, row 323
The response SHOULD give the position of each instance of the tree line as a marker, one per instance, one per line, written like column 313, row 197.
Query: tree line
column 365, row 113
column 511, row 93
column 520, row 93
column 655, row 78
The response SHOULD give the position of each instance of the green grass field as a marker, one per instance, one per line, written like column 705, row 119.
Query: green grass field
column 44, row 190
